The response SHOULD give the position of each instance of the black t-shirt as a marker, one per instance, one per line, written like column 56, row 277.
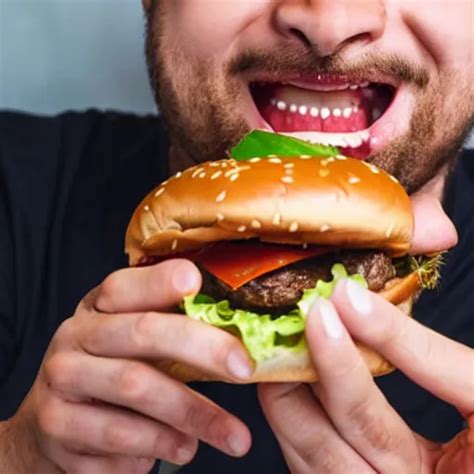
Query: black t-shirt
column 68, row 186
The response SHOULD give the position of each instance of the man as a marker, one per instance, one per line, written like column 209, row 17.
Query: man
column 399, row 71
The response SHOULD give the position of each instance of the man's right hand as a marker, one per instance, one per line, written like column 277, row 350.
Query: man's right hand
column 98, row 404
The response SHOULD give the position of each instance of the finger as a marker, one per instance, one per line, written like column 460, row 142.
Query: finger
column 442, row 366
column 145, row 390
column 105, row 430
column 157, row 287
column 354, row 404
column 167, row 336
column 75, row 463
column 306, row 436
column 434, row 231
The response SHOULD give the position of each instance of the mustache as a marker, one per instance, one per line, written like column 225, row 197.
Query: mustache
column 291, row 60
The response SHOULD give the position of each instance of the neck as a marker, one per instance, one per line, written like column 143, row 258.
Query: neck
column 436, row 187
column 178, row 160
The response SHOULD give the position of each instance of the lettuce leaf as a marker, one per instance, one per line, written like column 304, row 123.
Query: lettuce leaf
column 261, row 334
column 262, row 143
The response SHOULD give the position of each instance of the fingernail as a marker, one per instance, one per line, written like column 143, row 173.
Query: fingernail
column 331, row 323
column 238, row 365
column 185, row 281
column 236, row 444
column 359, row 298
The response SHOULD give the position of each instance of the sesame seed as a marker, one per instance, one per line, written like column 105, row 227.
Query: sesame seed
column 221, row 196
column 224, row 165
column 395, row 180
column 324, row 228
column 272, row 156
column 242, row 228
column 216, row 174
column 256, row 224
column 374, row 169
column 354, row 180
column 201, row 175
column 389, row 231
column 178, row 174
column 287, row 179
column 305, row 157
column 341, row 157
column 234, row 176
column 231, row 172
column 324, row 162
column 220, row 217
column 331, row 159
column 196, row 172
column 174, row 245
column 293, row 227
column 146, row 208
column 289, row 165
column 214, row 164
column 160, row 191
column 323, row 172
column 254, row 160
column 274, row 160
column 276, row 219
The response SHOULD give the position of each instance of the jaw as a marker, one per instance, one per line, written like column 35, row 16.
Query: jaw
column 359, row 116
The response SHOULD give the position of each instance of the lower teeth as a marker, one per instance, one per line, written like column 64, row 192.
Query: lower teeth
column 352, row 140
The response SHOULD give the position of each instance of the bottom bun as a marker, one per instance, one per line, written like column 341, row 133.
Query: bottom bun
column 286, row 366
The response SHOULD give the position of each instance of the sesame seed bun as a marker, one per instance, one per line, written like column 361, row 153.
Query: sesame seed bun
column 339, row 201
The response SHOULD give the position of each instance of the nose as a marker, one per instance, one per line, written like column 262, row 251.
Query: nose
column 331, row 25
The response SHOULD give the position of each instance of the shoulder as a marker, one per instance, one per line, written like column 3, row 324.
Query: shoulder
column 47, row 149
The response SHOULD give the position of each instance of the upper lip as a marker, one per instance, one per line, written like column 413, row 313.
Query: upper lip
column 324, row 81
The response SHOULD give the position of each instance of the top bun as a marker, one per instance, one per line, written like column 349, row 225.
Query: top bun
column 338, row 201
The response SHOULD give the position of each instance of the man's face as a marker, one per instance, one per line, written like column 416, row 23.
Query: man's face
column 390, row 81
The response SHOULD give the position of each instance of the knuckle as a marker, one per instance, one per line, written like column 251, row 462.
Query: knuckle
column 118, row 437
column 324, row 458
column 65, row 331
column 58, row 371
column 365, row 418
column 142, row 331
column 220, row 347
column 133, row 384
column 111, row 286
column 208, row 421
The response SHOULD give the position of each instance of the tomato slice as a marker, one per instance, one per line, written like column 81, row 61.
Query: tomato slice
column 236, row 263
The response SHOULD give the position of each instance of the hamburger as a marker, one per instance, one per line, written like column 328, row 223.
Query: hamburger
column 270, row 235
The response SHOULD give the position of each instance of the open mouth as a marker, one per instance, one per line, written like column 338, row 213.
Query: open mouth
column 331, row 110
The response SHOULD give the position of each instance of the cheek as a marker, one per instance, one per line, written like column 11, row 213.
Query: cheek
column 444, row 28
column 208, row 28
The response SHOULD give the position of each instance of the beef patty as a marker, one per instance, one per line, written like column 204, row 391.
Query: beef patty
column 278, row 291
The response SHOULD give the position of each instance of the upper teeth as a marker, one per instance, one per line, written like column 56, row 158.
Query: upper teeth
column 323, row 112
column 326, row 87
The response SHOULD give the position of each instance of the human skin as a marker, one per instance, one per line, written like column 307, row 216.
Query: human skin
column 101, row 358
